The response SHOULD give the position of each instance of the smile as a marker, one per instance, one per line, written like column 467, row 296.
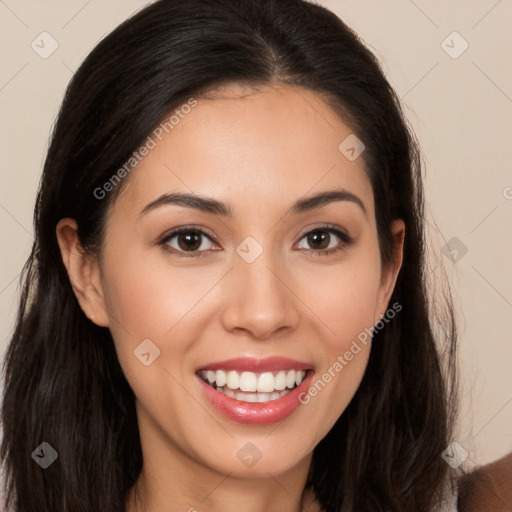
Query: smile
column 255, row 391
column 253, row 387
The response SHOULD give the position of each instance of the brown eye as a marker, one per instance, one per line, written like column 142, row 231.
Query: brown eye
column 318, row 239
column 322, row 240
column 187, row 240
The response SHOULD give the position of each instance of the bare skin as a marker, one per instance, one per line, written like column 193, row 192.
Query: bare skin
column 488, row 488
column 258, row 152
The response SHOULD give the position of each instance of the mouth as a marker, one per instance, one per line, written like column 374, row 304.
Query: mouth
column 255, row 391
column 252, row 387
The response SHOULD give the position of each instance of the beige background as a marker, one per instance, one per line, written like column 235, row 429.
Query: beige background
column 461, row 111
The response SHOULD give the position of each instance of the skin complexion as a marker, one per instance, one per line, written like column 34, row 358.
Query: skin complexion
column 267, row 289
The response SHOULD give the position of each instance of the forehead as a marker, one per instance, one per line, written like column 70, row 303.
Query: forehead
column 245, row 146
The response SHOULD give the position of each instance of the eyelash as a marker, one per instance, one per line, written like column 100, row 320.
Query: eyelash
column 346, row 241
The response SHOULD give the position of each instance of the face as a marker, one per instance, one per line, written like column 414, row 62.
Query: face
column 262, row 297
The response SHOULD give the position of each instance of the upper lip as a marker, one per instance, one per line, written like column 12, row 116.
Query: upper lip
column 253, row 364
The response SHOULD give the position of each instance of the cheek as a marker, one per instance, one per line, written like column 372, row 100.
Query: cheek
column 146, row 301
column 149, row 299
column 343, row 297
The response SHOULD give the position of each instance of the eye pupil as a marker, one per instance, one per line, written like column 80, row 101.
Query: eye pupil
column 189, row 241
column 317, row 236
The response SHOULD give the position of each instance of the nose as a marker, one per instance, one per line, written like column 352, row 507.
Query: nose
column 259, row 300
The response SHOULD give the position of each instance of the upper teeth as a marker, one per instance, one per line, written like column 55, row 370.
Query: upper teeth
column 266, row 382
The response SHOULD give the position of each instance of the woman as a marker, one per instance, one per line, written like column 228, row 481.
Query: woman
column 225, row 306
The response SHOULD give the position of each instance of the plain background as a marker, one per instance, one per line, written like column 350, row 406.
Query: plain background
column 459, row 105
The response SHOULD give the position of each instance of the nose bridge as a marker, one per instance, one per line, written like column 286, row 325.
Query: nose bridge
column 258, row 299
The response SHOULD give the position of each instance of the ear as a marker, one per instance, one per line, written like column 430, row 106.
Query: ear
column 83, row 272
column 390, row 273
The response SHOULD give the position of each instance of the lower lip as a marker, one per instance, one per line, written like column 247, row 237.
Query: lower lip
column 256, row 413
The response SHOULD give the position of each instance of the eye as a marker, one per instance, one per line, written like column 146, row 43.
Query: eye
column 187, row 240
column 323, row 243
column 190, row 241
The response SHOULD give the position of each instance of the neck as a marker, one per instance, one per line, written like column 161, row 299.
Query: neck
column 216, row 492
column 174, row 479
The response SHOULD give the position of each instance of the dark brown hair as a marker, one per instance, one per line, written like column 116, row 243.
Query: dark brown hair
column 63, row 382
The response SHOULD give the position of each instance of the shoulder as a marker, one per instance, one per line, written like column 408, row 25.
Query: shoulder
column 487, row 488
column 310, row 504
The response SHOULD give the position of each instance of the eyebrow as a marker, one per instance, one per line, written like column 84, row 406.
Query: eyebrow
column 215, row 207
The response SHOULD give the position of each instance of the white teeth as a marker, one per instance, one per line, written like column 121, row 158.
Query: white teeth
column 280, row 380
column 247, row 397
column 290, row 379
column 233, row 380
column 253, row 397
column 266, row 382
column 229, row 392
column 263, row 397
column 220, row 378
column 248, row 381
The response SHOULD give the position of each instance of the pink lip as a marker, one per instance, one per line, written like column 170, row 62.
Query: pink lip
column 256, row 413
column 251, row 364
